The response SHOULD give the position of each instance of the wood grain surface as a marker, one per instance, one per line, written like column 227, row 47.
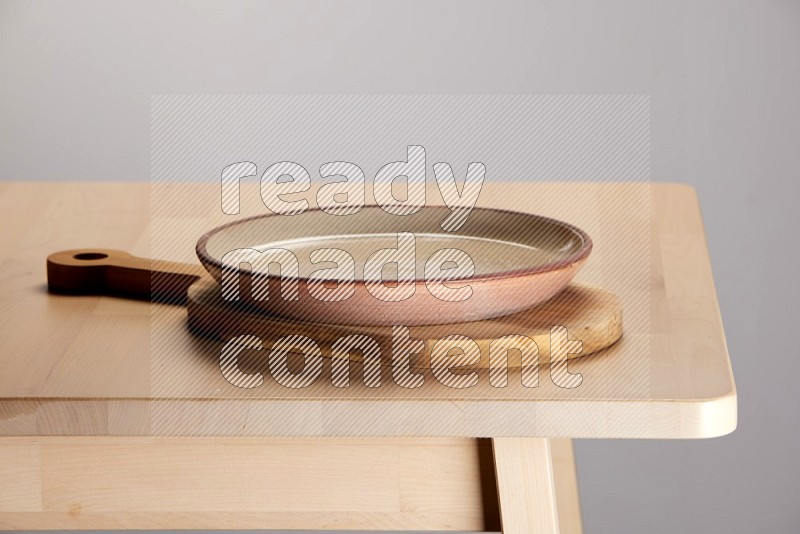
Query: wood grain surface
column 238, row 483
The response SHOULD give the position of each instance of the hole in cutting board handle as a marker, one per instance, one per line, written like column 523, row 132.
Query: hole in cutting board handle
column 90, row 256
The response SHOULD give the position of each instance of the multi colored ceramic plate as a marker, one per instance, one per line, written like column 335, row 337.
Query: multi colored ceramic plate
column 377, row 268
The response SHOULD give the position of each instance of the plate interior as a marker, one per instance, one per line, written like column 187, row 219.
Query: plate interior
column 497, row 241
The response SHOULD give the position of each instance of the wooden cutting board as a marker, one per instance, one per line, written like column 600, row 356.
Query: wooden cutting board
column 591, row 315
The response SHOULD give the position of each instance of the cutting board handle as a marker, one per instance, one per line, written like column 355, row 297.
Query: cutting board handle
column 105, row 271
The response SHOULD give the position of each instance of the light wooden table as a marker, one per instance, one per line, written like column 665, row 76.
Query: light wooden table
column 102, row 428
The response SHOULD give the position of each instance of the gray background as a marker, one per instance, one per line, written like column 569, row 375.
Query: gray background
column 75, row 86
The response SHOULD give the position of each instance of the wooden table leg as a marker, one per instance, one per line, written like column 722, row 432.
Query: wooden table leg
column 536, row 485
